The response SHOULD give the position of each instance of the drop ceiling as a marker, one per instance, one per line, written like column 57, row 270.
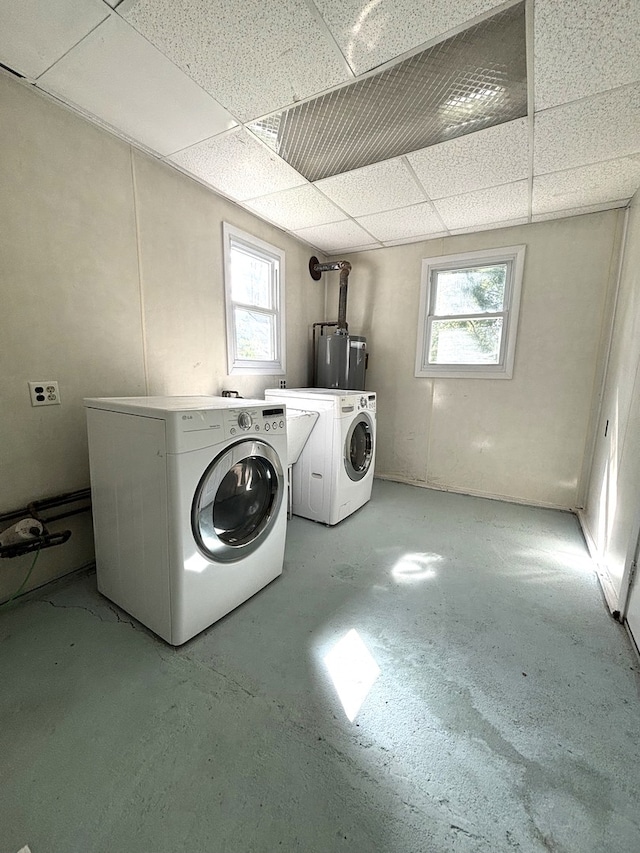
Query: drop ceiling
column 196, row 82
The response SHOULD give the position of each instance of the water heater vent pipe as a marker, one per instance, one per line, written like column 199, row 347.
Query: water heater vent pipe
column 316, row 269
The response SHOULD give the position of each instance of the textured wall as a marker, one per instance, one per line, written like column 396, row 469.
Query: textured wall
column 523, row 438
column 613, row 499
column 112, row 283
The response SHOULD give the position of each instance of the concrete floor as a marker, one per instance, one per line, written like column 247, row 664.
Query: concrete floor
column 504, row 716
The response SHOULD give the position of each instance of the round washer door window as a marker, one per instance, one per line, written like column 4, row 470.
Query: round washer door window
column 358, row 449
column 237, row 501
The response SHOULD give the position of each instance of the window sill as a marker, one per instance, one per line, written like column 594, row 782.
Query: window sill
column 257, row 370
column 464, row 373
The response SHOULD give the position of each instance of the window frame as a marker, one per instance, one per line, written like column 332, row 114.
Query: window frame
column 514, row 257
column 233, row 236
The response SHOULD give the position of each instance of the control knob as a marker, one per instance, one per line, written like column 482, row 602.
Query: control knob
column 244, row 420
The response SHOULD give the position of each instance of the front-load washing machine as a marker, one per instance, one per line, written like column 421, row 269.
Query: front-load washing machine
column 189, row 505
column 334, row 475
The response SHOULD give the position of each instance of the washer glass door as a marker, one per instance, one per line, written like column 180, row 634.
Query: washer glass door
column 237, row 501
column 358, row 448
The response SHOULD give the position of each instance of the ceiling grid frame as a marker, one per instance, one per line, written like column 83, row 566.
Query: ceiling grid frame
column 408, row 54
column 441, row 93
column 73, row 47
column 424, row 190
column 327, row 31
column 530, row 33
column 586, row 104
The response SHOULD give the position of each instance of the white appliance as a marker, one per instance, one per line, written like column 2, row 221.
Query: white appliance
column 334, row 473
column 300, row 422
column 189, row 505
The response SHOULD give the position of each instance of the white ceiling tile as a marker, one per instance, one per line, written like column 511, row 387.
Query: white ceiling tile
column 492, row 226
column 237, row 165
column 484, row 207
column 253, row 57
column 372, row 189
column 582, row 47
column 117, row 76
column 588, row 185
column 35, row 33
column 262, row 55
column 375, row 32
column 337, row 237
column 301, row 207
column 579, row 211
column 406, row 240
column 600, row 128
column 353, row 249
column 415, row 221
column 497, row 155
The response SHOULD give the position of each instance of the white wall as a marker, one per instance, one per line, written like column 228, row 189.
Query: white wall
column 524, row 438
column 112, row 284
column 111, row 270
column 612, row 511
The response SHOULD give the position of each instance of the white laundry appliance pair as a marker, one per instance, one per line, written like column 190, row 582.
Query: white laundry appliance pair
column 333, row 476
column 189, row 505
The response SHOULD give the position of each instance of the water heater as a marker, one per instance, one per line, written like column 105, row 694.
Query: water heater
column 341, row 361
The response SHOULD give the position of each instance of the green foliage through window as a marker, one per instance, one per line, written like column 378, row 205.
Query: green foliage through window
column 475, row 290
column 254, row 272
column 469, row 305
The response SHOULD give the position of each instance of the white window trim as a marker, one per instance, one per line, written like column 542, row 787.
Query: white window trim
column 503, row 370
column 235, row 365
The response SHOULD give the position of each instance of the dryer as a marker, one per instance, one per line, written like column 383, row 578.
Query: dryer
column 189, row 505
column 334, row 475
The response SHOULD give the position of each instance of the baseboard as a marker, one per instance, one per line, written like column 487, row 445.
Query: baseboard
column 608, row 589
column 632, row 639
column 421, row 484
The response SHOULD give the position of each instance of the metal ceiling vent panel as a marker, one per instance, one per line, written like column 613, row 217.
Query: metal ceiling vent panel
column 468, row 82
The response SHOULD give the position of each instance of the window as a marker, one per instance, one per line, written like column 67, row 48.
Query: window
column 469, row 314
column 254, row 285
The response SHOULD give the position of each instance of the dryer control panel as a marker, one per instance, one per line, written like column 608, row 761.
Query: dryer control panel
column 270, row 419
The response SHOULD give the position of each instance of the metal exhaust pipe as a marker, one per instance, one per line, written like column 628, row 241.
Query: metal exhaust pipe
column 316, row 269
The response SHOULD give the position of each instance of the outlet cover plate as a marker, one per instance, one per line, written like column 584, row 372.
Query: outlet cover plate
column 44, row 393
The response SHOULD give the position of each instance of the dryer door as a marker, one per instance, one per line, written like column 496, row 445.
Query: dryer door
column 358, row 447
column 237, row 501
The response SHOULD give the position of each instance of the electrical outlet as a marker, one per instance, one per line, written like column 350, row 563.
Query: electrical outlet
column 44, row 393
column 283, row 383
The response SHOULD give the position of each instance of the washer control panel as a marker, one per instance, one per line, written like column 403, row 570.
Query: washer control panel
column 362, row 402
column 367, row 401
column 357, row 403
column 254, row 421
